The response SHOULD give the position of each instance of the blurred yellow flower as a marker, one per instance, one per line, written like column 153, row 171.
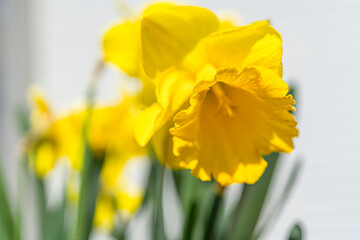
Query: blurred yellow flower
column 119, row 195
column 109, row 206
column 42, row 151
column 110, row 134
column 111, row 129
column 104, row 212
column 44, row 158
column 40, row 115
column 128, row 204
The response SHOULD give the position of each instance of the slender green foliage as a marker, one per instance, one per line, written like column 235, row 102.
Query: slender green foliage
column 6, row 218
column 158, row 228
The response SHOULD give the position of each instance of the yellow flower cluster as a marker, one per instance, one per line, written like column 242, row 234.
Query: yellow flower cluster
column 110, row 138
column 221, row 103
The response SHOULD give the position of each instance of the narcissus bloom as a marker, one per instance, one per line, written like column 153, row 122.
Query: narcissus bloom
column 232, row 121
column 116, row 205
column 42, row 154
column 239, row 107
column 109, row 207
column 110, row 134
column 188, row 53
column 120, row 195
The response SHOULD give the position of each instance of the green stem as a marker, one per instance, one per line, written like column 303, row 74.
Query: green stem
column 88, row 194
column 211, row 224
column 91, row 167
column 159, row 230
column 21, row 174
column 41, row 206
column 6, row 219
column 190, row 219
column 150, row 187
column 250, row 205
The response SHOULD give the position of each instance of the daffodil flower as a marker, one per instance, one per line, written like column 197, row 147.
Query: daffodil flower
column 110, row 134
column 232, row 121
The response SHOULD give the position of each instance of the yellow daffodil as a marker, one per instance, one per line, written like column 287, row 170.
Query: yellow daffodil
column 108, row 206
column 118, row 196
column 225, row 140
column 232, row 121
column 180, row 53
column 62, row 138
column 110, row 133
column 110, row 136
column 42, row 154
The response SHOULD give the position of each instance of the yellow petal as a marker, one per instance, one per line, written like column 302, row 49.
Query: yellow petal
column 173, row 89
column 67, row 133
column 111, row 170
column 163, row 147
column 37, row 99
column 228, row 128
column 146, row 123
column 121, row 46
column 112, row 129
column 153, row 8
column 128, row 203
column 45, row 157
column 257, row 44
column 264, row 81
column 40, row 115
column 104, row 212
column 168, row 34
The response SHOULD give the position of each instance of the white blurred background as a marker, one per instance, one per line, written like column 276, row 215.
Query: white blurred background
column 57, row 43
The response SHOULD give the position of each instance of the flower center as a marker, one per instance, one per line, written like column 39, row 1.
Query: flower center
column 224, row 104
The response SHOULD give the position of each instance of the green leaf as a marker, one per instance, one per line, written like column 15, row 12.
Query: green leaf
column 91, row 165
column 88, row 193
column 6, row 219
column 210, row 232
column 150, row 186
column 3, row 232
column 158, row 227
column 247, row 211
column 56, row 223
column 52, row 221
column 280, row 203
column 190, row 218
column 41, row 200
column 296, row 232
column 196, row 198
column 22, row 117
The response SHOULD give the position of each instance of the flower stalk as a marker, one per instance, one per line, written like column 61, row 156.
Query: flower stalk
column 211, row 223
column 159, row 230
column 91, row 166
